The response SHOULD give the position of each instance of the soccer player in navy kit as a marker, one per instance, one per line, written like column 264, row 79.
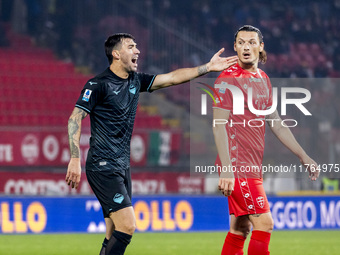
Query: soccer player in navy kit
column 111, row 99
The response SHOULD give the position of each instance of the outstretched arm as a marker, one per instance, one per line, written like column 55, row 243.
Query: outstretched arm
column 216, row 64
column 74, row 129
column 286, row 137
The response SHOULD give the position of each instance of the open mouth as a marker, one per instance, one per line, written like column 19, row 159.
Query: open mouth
column 246, row 55
column 134, row 61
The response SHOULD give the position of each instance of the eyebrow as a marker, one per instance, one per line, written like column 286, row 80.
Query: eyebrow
column 251, row 39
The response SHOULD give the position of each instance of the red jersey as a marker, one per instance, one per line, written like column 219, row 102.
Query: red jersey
column 245, row 131
column 245, row 135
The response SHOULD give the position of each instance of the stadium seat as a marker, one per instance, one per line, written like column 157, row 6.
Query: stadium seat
column 303, row 48
column 40, row 90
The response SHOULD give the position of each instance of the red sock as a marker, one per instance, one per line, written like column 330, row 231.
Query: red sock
column 259, row 243
column 233, row 244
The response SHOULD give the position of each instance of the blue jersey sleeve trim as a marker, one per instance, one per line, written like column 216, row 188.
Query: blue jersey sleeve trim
column 81, row 107
column 148, row 89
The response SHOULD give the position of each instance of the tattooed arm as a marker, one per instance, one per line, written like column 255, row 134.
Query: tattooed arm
column 183, row 75
column 74, row 129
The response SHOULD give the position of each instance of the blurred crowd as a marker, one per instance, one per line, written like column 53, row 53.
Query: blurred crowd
column 301, row 37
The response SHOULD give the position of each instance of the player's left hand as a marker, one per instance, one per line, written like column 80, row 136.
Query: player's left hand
column 311, row 166
column 218, row 63
column 73, row 173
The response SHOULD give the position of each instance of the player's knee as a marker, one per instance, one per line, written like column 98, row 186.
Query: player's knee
column 246, row 228
column 240, row 232
column 130, row 228
column 263, row 222
column 268, row 225
column 242, row 229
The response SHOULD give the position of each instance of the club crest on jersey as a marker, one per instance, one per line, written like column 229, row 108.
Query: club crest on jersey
column 87, row 95
column 132, row 89
column 260, row 201
column 221, row 90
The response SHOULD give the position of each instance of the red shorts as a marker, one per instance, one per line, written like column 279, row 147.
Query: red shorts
column 248, row 197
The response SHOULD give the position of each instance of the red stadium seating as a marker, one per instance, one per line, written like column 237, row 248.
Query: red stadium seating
column 39, row 90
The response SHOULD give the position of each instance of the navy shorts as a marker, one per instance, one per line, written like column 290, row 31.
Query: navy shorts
column 112, row 189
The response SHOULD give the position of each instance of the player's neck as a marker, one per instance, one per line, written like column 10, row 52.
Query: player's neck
column 119, row 71
column 248, row 67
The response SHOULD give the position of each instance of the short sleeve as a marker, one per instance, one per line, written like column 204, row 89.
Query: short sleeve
column 270, row 94
column 146, row 81
column 91, row 94
column 270, row 90
column 223, row 96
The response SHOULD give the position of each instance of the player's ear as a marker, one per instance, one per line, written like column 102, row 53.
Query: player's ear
column 261, row 46
column 235, row 46
column 115, row 54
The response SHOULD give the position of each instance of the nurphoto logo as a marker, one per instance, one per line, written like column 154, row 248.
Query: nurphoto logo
column 238, row 103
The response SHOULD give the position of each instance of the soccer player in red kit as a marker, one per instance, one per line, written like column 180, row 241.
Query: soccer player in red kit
column 240, row 145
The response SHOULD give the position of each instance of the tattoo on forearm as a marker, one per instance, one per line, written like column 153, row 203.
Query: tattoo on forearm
column 202, row 70
column 74, row 125
column 73, row 131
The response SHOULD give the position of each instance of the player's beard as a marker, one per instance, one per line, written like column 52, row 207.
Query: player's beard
column 129, row 66
column 249, row 62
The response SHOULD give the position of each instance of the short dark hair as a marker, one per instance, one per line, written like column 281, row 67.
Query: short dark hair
column 114, row 42
column 249, row 28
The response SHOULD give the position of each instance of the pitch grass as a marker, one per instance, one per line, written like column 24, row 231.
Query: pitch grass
column 210, row 243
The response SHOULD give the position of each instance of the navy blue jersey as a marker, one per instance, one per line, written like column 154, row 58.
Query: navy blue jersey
column 112, row 104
